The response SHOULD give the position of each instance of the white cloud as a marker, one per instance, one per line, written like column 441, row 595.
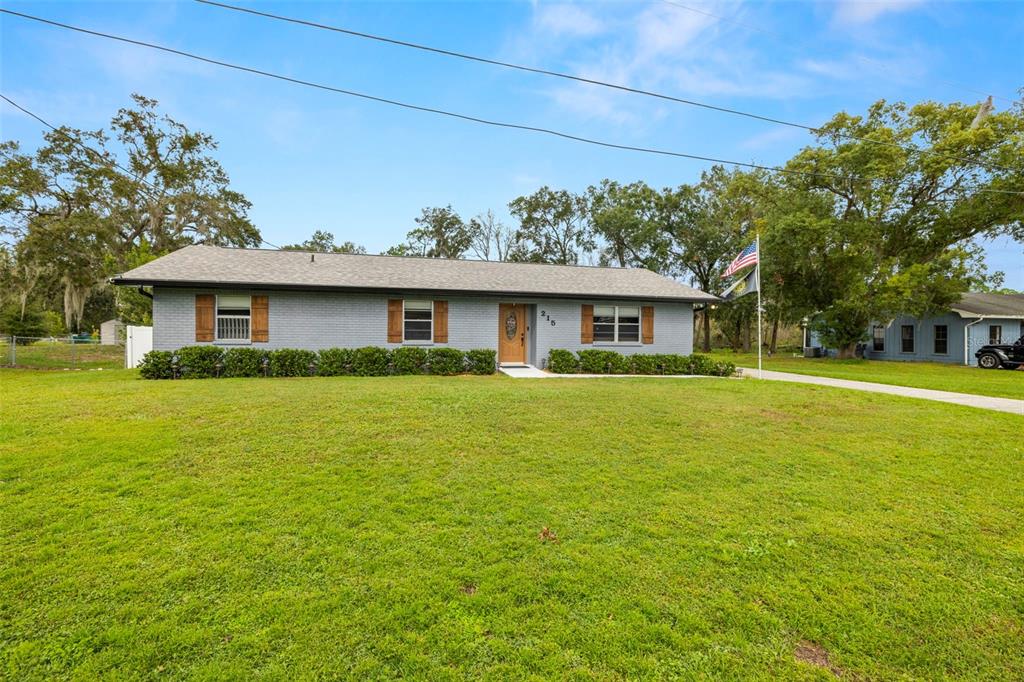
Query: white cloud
column 866, row 11
column 775, row 137
column 567, row 20
column 655, row 47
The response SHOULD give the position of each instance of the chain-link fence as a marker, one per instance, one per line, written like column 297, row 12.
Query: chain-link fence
column 65, row 352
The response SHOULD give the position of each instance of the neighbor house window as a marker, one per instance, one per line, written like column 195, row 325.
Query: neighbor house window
column 233, row 313
column 878, row 339
column 418, row 320
column 995, row 333
column 941, row 339
column 907, row 338
column 616, row 324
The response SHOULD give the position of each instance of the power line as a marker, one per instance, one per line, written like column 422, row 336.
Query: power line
column 102, row 158
column 443, row 112
column 432, row 110
column 787, row 39
column 589, row 81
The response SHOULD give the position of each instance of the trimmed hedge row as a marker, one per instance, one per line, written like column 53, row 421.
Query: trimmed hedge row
column 201, row 362
column 612, row 362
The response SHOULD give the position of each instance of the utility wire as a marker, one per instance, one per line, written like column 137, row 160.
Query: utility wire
column 416, row 107
column 442, row 112
column 590, row 81
column 788, row 39
column 102, row 158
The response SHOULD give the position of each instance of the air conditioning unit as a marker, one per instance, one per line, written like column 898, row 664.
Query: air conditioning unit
column 812, row 351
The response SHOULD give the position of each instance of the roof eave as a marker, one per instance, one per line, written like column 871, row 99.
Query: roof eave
column 185, row 284
column 971, row 313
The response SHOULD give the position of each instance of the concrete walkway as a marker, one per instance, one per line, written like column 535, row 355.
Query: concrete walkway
column 530, row 372
column 985, row 402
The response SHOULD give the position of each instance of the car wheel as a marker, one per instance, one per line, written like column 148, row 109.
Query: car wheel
column 988, row 361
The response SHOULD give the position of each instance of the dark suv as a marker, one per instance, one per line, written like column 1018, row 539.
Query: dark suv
column 1005, row 355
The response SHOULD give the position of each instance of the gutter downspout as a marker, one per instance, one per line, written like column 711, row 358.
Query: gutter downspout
column 145, row 293
column 967, row 332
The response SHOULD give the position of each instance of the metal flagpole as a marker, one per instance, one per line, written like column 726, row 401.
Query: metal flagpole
column 757, row 277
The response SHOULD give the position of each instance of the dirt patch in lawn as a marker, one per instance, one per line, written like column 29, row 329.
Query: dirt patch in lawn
column 815, row 654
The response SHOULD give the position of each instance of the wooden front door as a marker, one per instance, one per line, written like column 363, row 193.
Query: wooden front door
column 511, row 332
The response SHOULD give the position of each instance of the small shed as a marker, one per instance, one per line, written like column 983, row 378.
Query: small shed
column 112, row 333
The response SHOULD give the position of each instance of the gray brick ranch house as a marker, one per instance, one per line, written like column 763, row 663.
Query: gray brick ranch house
column 296, row 299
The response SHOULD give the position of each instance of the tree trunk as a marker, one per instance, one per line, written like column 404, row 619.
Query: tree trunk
column 847, row 352
column 775, row 336
column 706, row 323
column 746, row 337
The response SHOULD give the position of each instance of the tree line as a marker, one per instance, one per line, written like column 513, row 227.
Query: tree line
column 881, row 214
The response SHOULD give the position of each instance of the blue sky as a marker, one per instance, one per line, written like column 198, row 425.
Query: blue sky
column 315, row 160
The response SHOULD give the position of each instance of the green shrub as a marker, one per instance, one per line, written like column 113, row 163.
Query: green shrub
column 199, row 362
column 157, row 364
column 292, row 362
column 562, row 361
column 335, row 362
column 481, row 360
column 619, row 363
column 644, row 364
column 370, row 361
column 243, row 362
column 409, row 360
column 446, row 361
column 674, row 364
column 593, row 361
column 724, row 369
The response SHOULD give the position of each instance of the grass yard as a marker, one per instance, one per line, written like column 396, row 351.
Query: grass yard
column 63, row 355
column 393, row 527
column 934, row 375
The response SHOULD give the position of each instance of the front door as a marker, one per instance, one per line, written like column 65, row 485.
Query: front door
column 511, row 332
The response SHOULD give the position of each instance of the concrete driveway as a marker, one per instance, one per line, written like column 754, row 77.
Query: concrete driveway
column 984, row 402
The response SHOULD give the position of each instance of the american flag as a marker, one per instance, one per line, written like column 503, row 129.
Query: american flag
column 748, row 256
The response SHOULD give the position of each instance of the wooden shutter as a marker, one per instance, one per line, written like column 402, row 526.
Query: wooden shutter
column 260, row 311
column 647, row 323
column 205, row 305
column 395, row 309
column 587, row 324
column 440, row 321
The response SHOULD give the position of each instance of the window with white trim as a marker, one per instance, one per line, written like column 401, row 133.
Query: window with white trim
column 233, row 316
column 878, row 339
column 941, row 339
column 995, row 334
column 418, row 321
column 616, row 324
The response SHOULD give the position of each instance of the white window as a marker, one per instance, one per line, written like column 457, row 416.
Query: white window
column 418, row 321
column 995, row 334
column 233, row 313
column 878, row 339
column 616, row 324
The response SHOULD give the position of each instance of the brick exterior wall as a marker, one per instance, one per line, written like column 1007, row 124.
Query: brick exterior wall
column 317, row 320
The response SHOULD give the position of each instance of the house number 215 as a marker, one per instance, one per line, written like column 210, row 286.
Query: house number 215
column 547, row 317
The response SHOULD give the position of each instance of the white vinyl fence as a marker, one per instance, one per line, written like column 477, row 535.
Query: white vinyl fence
column 138, row 342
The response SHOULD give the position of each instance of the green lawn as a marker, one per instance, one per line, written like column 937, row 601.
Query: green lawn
column 392, row 527
column 935, row 375
column 63, row 355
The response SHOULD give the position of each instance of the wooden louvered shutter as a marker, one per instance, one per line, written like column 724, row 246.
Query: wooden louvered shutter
column 440, row 321
column 260, row 311
column 395, row 309
column 647, row 323
column 587, row 323
column 205, row 304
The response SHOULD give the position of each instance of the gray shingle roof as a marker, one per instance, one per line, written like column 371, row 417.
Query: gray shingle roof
column 975, row 304
column 218, row 266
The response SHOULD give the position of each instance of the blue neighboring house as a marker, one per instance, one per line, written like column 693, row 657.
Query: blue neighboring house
column 954, row 336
